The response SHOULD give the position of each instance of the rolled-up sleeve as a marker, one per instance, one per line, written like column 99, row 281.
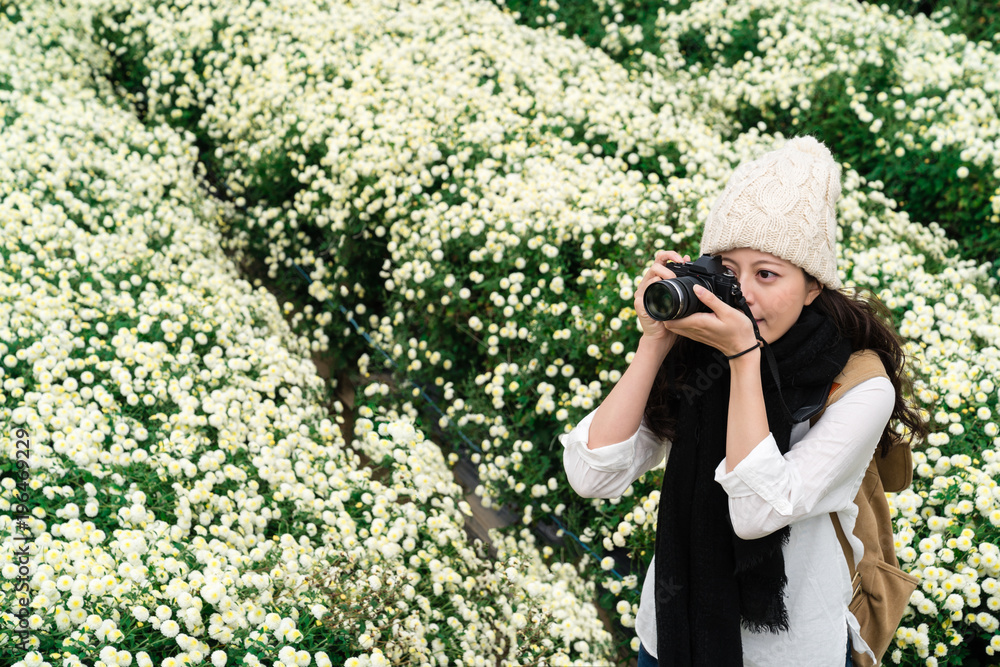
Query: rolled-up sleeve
column 606, row 472
column 820, row 473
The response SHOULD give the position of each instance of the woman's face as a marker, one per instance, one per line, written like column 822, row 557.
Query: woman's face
column 776, row 290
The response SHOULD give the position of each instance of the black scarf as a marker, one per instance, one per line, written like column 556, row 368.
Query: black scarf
column 708, row 581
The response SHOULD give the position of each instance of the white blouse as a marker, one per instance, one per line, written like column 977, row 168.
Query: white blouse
column 821, row 473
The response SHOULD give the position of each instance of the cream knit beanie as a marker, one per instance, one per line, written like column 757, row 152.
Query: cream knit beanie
column 783, row 203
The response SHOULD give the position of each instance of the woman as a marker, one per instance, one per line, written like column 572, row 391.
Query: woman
column 748, row 569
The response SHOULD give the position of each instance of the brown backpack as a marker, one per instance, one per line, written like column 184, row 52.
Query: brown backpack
column 881, row 590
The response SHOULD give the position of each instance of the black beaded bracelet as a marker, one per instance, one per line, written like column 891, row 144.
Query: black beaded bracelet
column 746, row 351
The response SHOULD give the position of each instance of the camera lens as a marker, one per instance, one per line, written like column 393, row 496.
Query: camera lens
column 672, row 299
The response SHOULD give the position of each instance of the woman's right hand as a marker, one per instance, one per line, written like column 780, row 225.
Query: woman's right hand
column 654, row 329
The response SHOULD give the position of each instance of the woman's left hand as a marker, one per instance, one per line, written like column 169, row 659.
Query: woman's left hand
column 725, row 328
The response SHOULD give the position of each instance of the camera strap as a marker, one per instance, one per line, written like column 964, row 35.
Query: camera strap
column 804, row 412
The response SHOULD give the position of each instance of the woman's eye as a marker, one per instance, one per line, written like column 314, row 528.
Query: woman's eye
column 764, row 273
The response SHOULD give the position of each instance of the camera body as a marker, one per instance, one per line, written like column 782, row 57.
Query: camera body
column 675, row 298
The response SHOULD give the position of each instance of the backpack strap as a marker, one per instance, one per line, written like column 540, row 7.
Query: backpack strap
column 895, row 468
column 847, row 549
column 861, row 365
column 879, row 589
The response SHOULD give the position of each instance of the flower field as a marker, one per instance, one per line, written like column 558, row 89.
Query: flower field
column 458, row 203
column 190, row 497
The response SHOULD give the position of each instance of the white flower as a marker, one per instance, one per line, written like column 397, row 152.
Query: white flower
column 213, row 592
column 954, row 602
column 170, row 629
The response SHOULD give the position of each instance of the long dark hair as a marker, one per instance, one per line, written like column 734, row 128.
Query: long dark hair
column 861, row 318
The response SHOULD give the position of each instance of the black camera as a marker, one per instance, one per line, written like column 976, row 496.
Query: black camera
column 675, row 298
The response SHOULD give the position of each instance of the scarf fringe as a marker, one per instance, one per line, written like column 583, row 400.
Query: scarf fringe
column 778, row 626
column 765, row 613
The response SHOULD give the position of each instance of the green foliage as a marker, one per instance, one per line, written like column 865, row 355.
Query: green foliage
column 976, row 19
column 590, row 20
